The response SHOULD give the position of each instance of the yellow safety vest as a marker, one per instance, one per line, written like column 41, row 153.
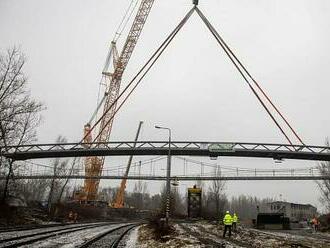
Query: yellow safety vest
column 228, row 220
column 235, row 219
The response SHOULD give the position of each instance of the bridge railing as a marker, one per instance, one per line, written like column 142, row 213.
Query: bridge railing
column 164, row 144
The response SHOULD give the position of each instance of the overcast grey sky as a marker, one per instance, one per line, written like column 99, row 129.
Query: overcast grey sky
column 193, row 88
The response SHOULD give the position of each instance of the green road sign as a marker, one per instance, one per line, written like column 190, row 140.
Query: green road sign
column 221, row 147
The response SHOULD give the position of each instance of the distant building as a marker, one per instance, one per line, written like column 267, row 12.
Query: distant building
column 296, row 212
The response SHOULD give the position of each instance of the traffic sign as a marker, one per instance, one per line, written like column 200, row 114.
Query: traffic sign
column 221, row 147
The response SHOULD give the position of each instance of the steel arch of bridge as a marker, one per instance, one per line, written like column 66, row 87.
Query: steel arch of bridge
column 178, row 148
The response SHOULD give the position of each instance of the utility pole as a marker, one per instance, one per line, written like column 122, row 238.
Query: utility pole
column 168, row 175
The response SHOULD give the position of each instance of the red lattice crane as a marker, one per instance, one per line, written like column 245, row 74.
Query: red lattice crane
column 112, row 80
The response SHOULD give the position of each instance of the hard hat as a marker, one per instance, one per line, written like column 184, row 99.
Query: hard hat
column 227, row 212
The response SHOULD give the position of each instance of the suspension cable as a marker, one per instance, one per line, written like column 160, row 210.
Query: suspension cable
column 154, row 56
column 215, row 34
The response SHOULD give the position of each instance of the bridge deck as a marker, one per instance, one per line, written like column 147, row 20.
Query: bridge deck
column 178, row 148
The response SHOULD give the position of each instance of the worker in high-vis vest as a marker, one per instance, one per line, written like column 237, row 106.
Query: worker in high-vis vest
column 235, row 221
column 228, row 222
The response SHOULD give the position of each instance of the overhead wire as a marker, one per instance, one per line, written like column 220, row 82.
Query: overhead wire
column 234, row 168
column 137, row 163
column 224, row 169
column 155, row 159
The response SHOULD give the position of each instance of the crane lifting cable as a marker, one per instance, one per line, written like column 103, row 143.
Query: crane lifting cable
column 144, row 70
column 226, row 47
column 230, row 54
column 94, row 165
column 239, row 66
column 147, row 66
column 124, row 21
column 110, row 109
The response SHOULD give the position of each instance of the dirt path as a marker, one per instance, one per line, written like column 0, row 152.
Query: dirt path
column 204, row 234
column 211, row 235
column 177, row 239
column 209, row 239
column 299, row 238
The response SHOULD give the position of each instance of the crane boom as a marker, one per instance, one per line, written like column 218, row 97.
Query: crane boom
column 120, row 67
column 94, row 165
column 119, row 200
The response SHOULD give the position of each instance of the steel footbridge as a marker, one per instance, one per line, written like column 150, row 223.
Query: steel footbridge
column 178, row 148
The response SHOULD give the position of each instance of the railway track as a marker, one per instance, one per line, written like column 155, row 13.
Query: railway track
column 111, row 238
column 33, row 227
column 29, row 227
column 28, row 239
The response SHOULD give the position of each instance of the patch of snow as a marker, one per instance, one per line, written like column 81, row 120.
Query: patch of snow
column 71, row 240
column 132, row 238
column 14, row 201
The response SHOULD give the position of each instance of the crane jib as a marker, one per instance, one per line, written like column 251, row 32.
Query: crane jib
column 93, row 166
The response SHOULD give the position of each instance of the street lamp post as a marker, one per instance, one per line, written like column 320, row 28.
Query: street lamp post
column 168, row 175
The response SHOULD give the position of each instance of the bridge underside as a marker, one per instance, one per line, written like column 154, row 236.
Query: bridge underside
column 164, row 152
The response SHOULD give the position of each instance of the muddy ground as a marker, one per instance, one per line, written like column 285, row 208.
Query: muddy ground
column 204, row 234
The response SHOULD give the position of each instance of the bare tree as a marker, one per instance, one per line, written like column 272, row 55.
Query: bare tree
column 73, row 164
column 324, row 185
column 247, row 206
column 177, row 207
column 32, row 191
column 215, row 200
column 108, row 194
column 137, row 196
column 59, row 169
column 19, row 113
